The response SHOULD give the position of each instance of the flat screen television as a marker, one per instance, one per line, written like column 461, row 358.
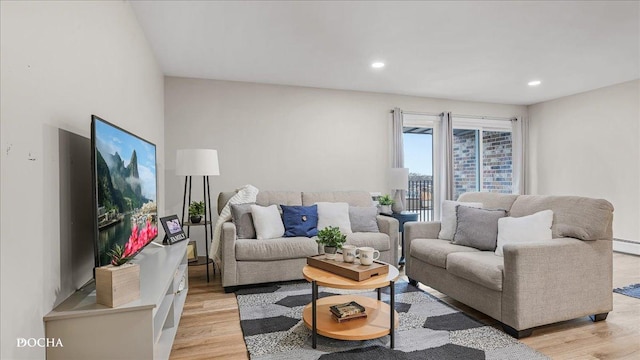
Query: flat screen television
column 124, row 188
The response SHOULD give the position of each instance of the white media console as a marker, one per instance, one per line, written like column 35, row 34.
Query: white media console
column 142, row 329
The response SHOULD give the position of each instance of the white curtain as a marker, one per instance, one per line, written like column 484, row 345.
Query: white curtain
column 398, row 147
column 446, row 151
column 520, row 133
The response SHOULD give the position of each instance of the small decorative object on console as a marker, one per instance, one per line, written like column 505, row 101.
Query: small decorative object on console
column 119, row 283
column 173, row 229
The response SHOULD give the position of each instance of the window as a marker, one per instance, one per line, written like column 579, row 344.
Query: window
column 482, row 156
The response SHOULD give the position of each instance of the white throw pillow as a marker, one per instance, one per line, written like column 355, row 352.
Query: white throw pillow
column 524, row 229
column 334, row 214
column 449, row 221
column 267, row 222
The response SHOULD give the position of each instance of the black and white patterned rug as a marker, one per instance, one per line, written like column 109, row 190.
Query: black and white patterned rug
column 271, row 320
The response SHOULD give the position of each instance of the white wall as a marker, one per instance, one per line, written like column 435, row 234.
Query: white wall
column 290, row 138
column 61, row 62
column 587, row 145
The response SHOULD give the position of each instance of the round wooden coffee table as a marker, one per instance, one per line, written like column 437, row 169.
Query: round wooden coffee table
column 380, row 316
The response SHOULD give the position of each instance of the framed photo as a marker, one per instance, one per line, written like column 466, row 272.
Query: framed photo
column 172, row 229
column 192, row 251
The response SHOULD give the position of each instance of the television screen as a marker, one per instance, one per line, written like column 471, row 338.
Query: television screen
column 125, row 192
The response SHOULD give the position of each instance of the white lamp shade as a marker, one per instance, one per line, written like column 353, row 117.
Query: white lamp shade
column 194, row 162
column 399, row 179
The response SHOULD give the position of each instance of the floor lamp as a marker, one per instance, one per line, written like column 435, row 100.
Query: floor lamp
column 198, row 162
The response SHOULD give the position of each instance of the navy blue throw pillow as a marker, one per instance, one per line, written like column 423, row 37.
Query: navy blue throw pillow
column 300, row 220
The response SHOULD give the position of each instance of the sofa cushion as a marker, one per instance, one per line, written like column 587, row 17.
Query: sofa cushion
column 334, row 214
column 353, row 198
column 378, row 241
column 490, row 200
column 363, row 218
column 300, row 220
column 267, row 222
column 573, row 216
column 241, row 215
column 477, row 228
column 275, row 249
column 513, row 230
column 449, row 221
column 435, row 251
column 483, row 268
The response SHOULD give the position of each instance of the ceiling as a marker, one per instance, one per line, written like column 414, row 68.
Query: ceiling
column 464, row 50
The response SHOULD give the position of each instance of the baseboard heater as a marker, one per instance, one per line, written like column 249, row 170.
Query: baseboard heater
column 626, row 246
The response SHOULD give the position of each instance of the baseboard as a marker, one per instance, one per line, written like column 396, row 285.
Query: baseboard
column 626, row 246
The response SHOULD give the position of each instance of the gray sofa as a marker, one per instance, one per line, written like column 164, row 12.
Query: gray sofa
column 251, row 261
column 535, row 283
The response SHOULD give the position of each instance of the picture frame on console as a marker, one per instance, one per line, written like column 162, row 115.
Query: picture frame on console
column 173, row 229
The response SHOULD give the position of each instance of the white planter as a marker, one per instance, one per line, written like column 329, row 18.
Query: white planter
column 385, row 209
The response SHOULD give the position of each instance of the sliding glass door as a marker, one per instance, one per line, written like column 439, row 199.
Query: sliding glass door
column 420, row 144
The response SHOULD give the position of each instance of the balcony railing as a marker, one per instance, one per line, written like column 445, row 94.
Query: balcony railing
column 420, row 199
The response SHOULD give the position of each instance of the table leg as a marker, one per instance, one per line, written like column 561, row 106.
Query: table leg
column 314, row 297
column 379, row 294
column 401, row 261
column 392, row 303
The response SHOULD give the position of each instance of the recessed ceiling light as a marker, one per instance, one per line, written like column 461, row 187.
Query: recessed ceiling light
column 534, row 83
column 377, row 65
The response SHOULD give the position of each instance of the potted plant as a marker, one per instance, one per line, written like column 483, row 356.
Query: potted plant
column 385, row 202
column 332, row 239
column 196, row 211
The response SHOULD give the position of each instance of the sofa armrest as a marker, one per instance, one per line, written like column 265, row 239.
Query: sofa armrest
column 418, row 230
column 391, row 227
column 556, row 280
column 228, row 244
column 421, row 230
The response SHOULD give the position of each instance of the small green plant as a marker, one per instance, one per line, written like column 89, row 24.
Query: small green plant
column 385, row 200
column 196, row 208
column 331, row 236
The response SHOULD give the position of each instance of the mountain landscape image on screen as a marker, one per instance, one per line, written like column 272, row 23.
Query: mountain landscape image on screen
column 126, row 188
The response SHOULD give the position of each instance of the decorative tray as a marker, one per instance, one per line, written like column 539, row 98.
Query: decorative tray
column 354, row 271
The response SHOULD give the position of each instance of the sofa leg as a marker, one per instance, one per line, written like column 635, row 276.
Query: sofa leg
column 413, row 282
column 230, row 289
column 518, row 334
column 598, row 317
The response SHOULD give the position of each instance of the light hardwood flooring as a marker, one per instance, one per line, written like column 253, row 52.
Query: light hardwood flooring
column 210, row 325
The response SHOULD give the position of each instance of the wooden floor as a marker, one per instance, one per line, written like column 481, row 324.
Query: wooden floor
column 210, row 326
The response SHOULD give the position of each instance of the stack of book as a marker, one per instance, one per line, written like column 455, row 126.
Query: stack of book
column 347, row 311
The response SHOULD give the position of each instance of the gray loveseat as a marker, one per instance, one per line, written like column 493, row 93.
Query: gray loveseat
column 535, row 283
column 251, row 261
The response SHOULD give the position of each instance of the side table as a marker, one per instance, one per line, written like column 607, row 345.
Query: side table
column 402, row 218
column 202, row 260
